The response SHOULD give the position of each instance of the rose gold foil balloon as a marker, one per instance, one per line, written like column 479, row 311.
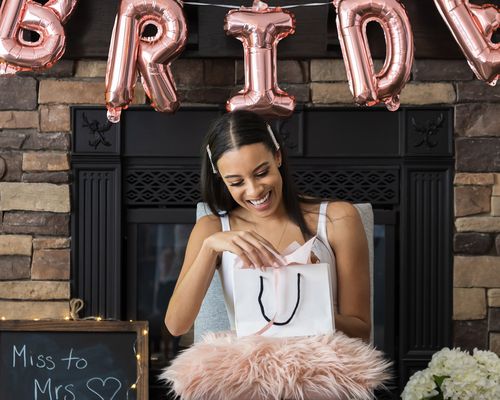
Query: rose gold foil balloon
column 130, row 53
column 472, row 26
column 16, row 54
column 260, row 28
column 368, row 87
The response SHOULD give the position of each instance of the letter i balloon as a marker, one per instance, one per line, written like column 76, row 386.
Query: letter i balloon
column 17, row 16
column 260, row 28
column 131, row 53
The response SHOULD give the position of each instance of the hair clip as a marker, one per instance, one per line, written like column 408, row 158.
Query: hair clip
column 273, row 138
column 210, row 158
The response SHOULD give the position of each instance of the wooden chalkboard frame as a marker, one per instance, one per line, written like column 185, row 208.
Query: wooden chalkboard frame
column 139, row 327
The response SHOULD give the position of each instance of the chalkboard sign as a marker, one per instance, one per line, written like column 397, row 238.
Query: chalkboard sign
column 73, row 360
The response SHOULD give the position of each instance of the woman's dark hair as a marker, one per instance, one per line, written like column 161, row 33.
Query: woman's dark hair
column 232, row 131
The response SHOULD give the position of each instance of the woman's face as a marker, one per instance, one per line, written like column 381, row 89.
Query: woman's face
column 251, row 174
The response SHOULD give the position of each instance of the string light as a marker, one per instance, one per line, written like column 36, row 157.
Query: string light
column 3, row 318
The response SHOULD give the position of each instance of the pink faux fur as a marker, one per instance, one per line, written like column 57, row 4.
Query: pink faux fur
column 224, row 367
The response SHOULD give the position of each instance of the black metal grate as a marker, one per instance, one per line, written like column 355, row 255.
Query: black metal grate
column 154, row 187
column 373, row 186
column 180, row 187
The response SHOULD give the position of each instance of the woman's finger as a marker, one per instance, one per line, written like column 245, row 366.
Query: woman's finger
column 265, row 248
column 235, row 249
column 252, row 252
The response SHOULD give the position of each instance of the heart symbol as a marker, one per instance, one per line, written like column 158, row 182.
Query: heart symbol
column 103, row 384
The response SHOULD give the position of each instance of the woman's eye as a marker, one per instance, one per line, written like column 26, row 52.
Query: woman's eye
column 239, row 183
column 263, row 173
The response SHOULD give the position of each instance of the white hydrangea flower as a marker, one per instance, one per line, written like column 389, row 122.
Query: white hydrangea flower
column 420, row 386
column 466, row 377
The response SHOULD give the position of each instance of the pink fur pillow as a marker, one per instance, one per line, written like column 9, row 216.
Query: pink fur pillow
column 224, row 367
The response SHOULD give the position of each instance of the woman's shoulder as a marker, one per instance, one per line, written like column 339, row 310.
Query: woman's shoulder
column 208, row 225
column 338, row 210
column 345, row 224
column 335, row 209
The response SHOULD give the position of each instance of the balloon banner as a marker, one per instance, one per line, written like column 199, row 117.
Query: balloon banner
column 472, row 26
column 368, row 87
column 130, row 52
column 260, row 28
column 17, row 54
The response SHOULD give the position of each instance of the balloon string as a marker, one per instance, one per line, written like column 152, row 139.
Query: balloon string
column 196, row 3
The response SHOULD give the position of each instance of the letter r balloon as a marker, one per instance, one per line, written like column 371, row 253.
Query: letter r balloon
column 368, row 87
column 130, row 53
column 260, row 29
column 17, row 54
column 473, row 26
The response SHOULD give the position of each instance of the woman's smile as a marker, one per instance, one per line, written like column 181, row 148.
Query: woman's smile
column 262, row 203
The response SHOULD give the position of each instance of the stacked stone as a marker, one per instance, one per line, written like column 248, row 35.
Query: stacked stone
column 477, row 238
column 35, row 172
column 35, row 185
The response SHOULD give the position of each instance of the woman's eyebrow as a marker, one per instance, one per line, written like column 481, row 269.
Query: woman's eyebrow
column 265, row 163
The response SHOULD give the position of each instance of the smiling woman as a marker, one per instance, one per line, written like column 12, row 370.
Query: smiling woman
column 258, row 214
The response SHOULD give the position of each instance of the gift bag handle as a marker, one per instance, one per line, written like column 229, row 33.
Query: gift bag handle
column 262, row 306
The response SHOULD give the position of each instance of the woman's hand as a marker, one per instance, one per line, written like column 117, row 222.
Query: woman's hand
column 254, row 250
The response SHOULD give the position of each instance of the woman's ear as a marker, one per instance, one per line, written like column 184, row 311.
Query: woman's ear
column 277, row 158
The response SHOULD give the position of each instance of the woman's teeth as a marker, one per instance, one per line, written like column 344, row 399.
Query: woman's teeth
column 260, row 201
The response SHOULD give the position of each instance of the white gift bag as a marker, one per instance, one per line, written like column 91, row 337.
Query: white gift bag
column 293, row 300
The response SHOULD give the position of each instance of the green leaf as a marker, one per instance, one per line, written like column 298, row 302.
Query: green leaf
column 439, row 379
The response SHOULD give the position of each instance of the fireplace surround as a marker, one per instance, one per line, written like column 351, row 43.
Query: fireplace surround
column 142, row 176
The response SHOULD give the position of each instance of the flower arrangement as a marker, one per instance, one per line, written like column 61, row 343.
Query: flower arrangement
column 456, row 375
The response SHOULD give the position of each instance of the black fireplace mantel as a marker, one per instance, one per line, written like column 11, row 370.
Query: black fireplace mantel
column 401, row 162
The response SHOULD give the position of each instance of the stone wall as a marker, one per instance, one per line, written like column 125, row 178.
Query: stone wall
column 34, row 169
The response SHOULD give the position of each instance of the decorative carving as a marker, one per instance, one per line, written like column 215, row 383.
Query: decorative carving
column 374, row 186
column 427, row 131
column 162, row 187
column 98, row 131
column 181, row 187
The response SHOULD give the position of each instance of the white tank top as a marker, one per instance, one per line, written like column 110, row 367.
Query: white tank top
column 321, row 249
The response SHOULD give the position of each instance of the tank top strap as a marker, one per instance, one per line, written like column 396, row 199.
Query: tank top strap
column 321, row 232
column 224, row 219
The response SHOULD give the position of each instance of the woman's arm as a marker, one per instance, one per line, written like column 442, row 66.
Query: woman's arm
column 205, row 244
column 194, row 279
column 347, row 237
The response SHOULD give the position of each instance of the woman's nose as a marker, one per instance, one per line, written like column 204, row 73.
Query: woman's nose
column 254, row 189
